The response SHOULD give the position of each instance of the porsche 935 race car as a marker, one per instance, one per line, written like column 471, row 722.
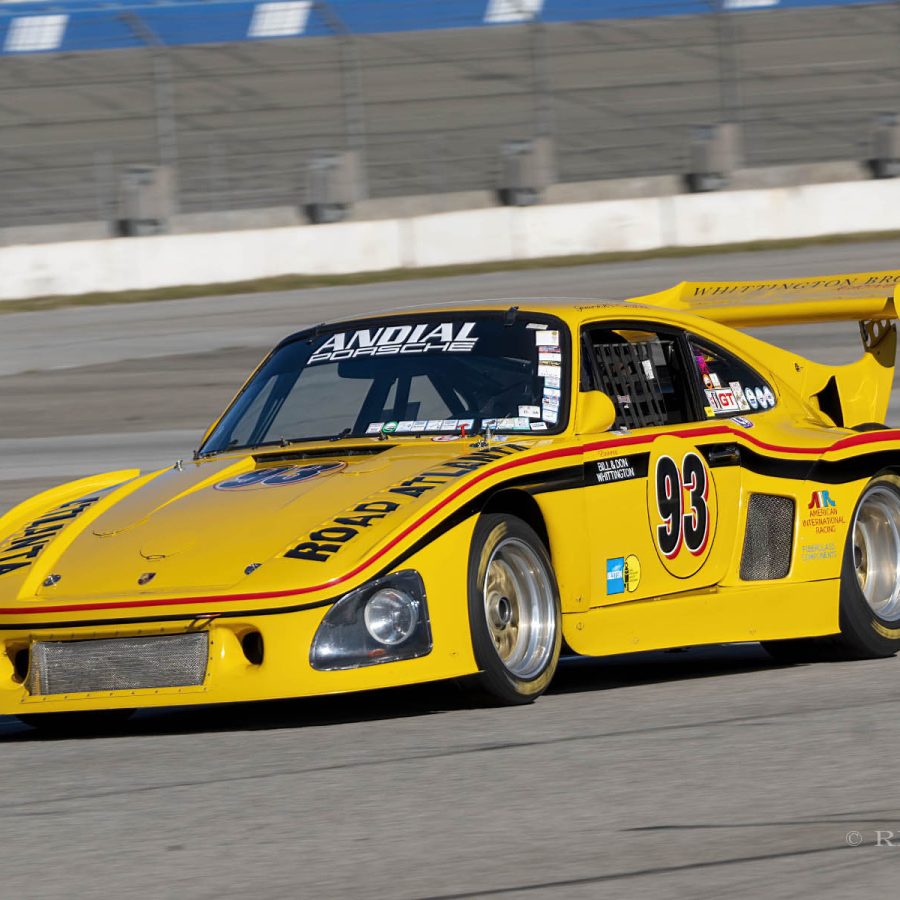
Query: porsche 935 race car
column 458, row 492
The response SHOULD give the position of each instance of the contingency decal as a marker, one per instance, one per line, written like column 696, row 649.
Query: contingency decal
column 623, row 574
column 24, row 547
column 682, row 507
column 320, row 545
column 262, row 478
column 738, row 390
column 445, row 337
column 823, row 515
column 723, row 401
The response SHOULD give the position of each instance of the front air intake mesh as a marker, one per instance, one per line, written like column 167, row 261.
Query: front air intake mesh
column 118, row 664
column 768, row 538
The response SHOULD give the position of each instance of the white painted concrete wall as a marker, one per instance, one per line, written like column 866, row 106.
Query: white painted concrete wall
column 474, row 236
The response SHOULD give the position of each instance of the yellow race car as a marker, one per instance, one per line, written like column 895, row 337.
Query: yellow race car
column 459, row 492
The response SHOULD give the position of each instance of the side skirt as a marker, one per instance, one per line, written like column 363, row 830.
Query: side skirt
column 764, row 611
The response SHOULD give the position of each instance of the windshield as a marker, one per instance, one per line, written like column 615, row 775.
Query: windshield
column 411, row 375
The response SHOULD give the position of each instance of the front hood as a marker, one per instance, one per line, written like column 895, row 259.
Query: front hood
column 278, row 521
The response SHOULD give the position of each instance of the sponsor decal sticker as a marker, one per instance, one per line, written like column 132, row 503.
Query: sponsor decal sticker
column 548, row 370
column 632, row 573
column 538, row 426
column 760, row 398
column 823, row 514
column 615, row 576
column 26, row 545
column 616, row 469
column 323, row 543
column 546, row 338
column 623, row 574
column 391, row 340
column 740, row 420
column 375, row 428
column 739, row 394
column 723, row 400
column 750, row 397
column 530, row 412
column 278, row 477
column 818, row 552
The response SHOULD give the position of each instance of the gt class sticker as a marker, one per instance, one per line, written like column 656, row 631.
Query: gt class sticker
column 682, row 508
column 278, row 477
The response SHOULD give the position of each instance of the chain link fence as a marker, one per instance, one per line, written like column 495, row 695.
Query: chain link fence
column 428, row 111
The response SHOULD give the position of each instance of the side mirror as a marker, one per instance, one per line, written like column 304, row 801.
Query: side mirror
column 594, row 413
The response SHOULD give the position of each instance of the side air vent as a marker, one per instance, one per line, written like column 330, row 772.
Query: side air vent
column 768, row 539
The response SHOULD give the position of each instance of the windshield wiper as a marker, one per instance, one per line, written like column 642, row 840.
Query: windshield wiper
column 339, row 437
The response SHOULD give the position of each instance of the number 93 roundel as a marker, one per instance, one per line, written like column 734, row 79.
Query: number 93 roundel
column 681, row 502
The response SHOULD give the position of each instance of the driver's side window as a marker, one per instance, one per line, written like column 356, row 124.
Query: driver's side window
column 642, row 373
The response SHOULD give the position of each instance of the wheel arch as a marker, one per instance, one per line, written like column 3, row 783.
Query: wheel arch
column 523, row 506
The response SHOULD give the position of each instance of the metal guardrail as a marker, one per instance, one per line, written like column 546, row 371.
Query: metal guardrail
column 427, row 110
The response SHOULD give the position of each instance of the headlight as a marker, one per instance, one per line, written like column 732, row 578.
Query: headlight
column 391, row 616
column 383, row 621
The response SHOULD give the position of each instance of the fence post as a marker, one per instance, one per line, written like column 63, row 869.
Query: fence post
column 729, row 72
column 540, row 75
column 164, row 93
column 351, row 90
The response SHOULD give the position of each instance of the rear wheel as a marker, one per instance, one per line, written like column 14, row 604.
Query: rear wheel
column 870, row 579
column 870, row 585
column 514, row 610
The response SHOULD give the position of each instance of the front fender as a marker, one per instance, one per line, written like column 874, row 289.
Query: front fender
column 71, row 490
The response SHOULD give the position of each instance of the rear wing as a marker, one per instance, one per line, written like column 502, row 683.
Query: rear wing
column 850, row 396
column 861, row 297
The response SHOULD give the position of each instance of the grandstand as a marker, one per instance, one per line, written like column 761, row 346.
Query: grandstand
column 428, row 109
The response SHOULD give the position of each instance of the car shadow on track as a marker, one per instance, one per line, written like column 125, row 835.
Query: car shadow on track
column 575, row 675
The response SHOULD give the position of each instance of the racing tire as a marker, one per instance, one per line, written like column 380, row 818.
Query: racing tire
column 870, row 575
column 869, row 613
column 514, row 610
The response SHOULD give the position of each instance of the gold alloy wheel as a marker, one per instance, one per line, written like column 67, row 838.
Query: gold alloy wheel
column 520, row 608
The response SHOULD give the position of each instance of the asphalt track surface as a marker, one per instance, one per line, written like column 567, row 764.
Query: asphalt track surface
column 704, row 773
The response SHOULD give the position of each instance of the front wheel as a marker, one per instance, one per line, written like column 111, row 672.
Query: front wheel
column 514, row 610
